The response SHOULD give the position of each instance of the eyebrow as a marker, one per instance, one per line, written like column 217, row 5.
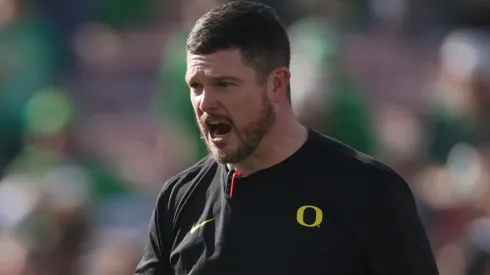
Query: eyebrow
column 218, row 79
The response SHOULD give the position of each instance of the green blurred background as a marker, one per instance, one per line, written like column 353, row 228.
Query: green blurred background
column 95, row 116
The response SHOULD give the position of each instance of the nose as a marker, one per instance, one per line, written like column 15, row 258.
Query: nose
column 208, row 101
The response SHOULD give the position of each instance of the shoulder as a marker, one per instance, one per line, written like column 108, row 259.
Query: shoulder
column 354, row 170
column 332, row 152
column 203, row 165
column 177, row 186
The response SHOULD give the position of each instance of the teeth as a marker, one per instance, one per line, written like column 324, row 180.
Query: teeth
column 216, row 122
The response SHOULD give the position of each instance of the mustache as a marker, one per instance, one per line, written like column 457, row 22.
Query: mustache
column 206, row 117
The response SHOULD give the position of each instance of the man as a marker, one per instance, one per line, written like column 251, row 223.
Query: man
column 273, row 197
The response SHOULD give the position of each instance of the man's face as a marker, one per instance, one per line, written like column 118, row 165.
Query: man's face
column 232, row 109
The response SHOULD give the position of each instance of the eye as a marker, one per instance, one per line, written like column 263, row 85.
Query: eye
column 196, row 88
column 195, row 85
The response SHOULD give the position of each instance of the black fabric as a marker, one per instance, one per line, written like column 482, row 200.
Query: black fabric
column 367, row 221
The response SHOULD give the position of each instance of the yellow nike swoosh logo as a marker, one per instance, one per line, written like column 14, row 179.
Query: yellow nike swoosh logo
column 197, row 226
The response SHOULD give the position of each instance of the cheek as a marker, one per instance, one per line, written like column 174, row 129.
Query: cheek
column 245, row 112
column 195, row 104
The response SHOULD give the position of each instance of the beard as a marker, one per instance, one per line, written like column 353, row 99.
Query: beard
column 249, row 136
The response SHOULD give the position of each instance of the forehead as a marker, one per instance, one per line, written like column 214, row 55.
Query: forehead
column 225, row 62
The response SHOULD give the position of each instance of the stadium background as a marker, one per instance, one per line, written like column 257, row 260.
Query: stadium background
column 95, row 115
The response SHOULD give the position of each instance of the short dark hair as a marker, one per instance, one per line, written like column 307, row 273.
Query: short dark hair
column 249, row 26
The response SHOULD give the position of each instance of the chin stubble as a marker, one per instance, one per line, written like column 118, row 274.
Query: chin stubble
column 249, row 136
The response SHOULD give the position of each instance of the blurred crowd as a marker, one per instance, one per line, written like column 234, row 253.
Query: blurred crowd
column 95, row 116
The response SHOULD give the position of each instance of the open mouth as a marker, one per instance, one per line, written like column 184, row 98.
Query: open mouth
column 218, row 129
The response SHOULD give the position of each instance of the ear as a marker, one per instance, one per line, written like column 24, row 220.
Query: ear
column 277, row 84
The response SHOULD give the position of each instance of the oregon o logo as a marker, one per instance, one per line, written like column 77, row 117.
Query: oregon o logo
column 300, row 216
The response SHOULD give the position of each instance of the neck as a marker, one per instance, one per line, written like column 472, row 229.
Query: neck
column 282, row 141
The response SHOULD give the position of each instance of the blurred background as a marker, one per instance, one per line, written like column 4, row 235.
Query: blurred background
column 95, row 116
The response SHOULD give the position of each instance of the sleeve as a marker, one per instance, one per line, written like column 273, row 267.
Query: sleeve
column 392, row 233
column 155, row 259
